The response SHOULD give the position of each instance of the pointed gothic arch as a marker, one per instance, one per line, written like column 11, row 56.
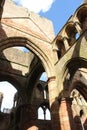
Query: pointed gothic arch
column 25, row 42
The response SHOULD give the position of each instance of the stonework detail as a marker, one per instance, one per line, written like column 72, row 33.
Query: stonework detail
column 28, row 50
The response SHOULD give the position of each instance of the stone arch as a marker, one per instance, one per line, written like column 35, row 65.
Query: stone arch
column 66, row 38
column 22, row 41
column 15, row 83
column 81, row 12
column 12, row 80
column 44, row 59
column 70, row 69
column 81, row 15
column 81, row 87
column 71, row 31
column 73, row 64
column 59, row 47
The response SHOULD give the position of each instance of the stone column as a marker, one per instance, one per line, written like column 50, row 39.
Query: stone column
column 55, row 50
column 66, row 120
column 53, row 100
column 66, row 44
column 78, row 28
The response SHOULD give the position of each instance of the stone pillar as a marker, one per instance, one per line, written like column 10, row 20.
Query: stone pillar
column 55, row 50
column 78, row 28
column 53, row 100
column 66, row 44
column 66, row 120
column 52, row 88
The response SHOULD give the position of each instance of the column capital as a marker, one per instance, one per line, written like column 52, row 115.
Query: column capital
column 65, row 99
column 77, row 22
column 78, row 27
column 65, row 38
column 53, row 78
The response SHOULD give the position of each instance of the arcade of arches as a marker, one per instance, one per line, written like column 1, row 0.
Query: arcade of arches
column 59, row 102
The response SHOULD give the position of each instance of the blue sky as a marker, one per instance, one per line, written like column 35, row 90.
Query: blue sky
column 56, row 10
column 60, row 11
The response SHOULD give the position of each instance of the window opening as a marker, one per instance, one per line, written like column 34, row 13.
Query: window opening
column 44, row 113
column 45, row 95
column 40, row 113
column 43, row 77
column 77, row 35
column 48, row 115
column 8, row 91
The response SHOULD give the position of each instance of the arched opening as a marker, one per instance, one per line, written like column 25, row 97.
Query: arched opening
column 48, row 115
column 73, row 65
column 43, row 78
column 79, row 107
column 28, row 68
column 23, row 62
column 71, row 33
column 76, row 83
column 8, row 91
column 81, row 14
column 77, row 36
column 24, row 42
column 40, row 113
column 44, row 113
column 61, row 48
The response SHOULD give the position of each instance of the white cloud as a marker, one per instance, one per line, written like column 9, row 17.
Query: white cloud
column 36, row 5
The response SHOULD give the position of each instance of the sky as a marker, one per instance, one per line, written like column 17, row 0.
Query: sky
column 58, row 11
column 8, row 91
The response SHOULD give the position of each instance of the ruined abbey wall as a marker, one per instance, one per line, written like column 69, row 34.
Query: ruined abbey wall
column 64, row 60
